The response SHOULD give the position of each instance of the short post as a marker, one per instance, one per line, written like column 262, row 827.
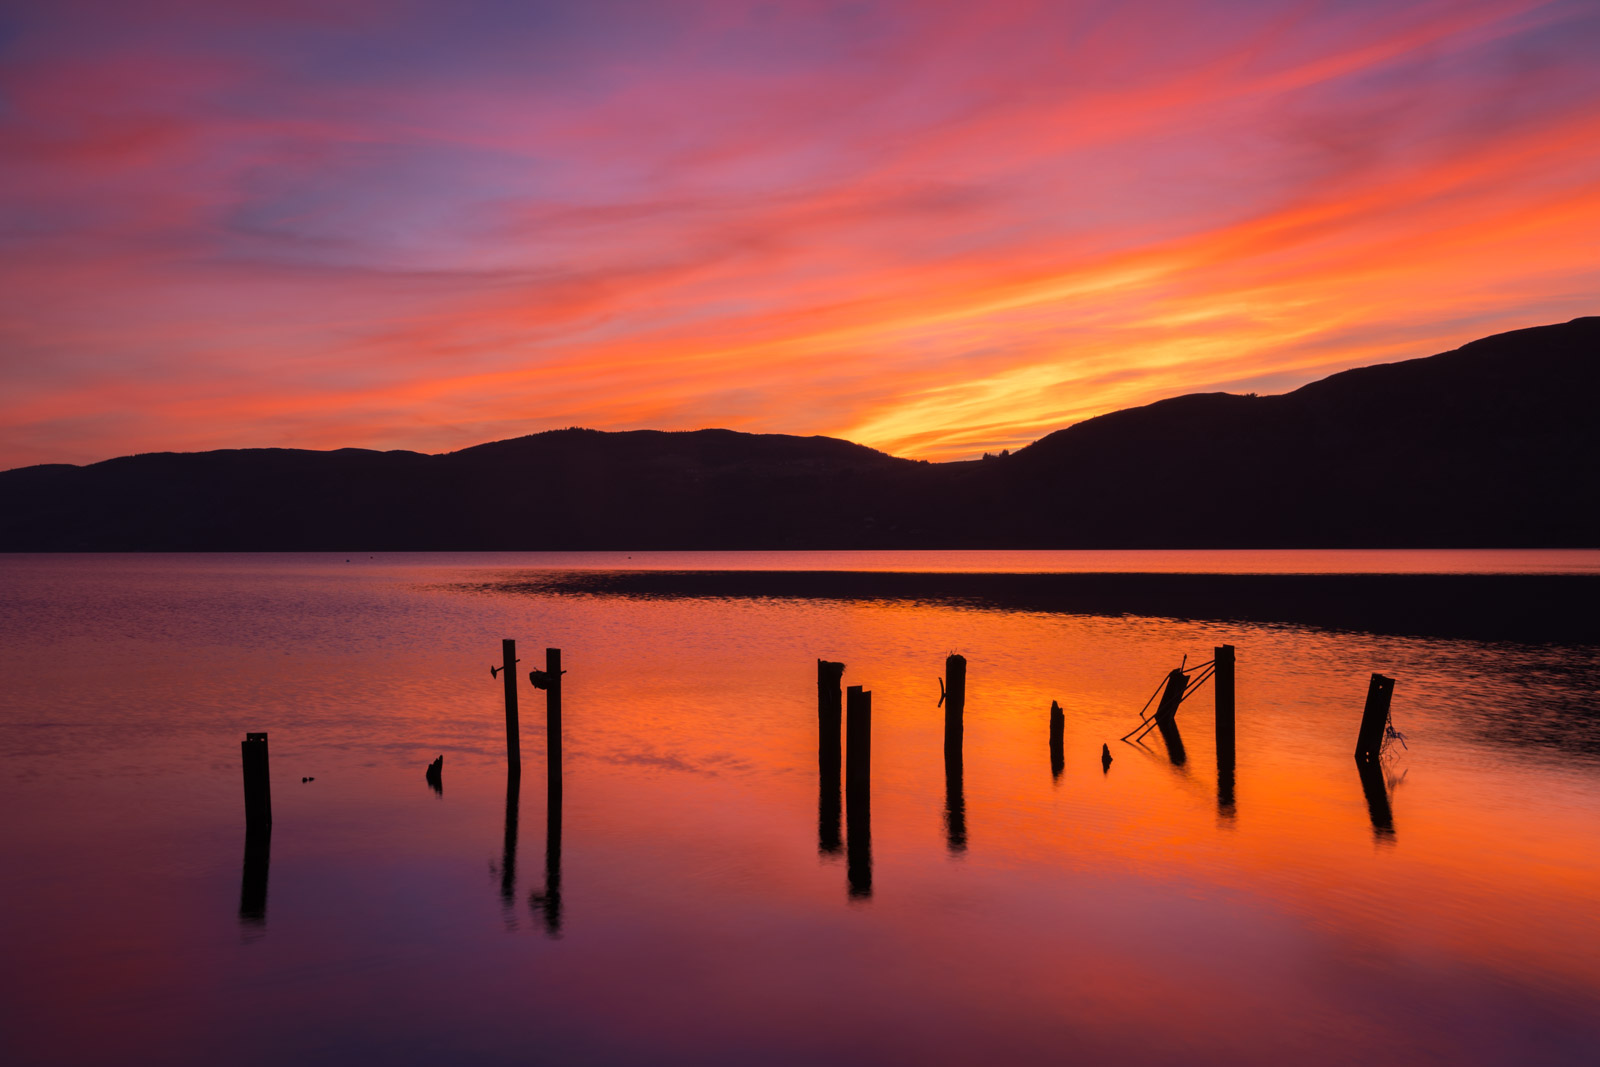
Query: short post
column 955, row 699
column 257, row 784
column 1369, row 742
column 552, row 670
column 1172, row 696
column 508, row 659
column 1058, row 723
column 858, row 790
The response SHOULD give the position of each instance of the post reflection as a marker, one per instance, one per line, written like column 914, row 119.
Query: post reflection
column 955, row 803
column 253, row 884
column 547, row 902
column 1173, row 740
column 1377, row 793
column 508, row 858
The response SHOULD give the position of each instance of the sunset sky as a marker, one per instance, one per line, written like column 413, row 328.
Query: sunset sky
column 936, row 229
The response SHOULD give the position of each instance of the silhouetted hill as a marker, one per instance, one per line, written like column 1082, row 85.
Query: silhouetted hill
column 1493, row 444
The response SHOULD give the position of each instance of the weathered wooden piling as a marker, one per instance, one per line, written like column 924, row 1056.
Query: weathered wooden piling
column 955, row 699
column 1172, row 696
column 1058, row 755
column 552, row 668
column 1222, row 688
column 508, row 661
column 1369, row 742
column 549, row 680
column 830, row 750
column 257, row 783
column 858, row 790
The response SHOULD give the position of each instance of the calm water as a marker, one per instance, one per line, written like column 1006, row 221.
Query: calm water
column 1141, row 915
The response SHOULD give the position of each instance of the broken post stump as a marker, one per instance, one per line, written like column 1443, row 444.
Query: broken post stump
column 257, row 783
column 435, row 775
column 1172, row 695
column 955, row 699
column 1058, row 722
column 508, row 659
column 858, row 790
column 1369, row 742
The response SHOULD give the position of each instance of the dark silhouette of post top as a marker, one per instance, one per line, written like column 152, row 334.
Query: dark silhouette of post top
column 1374, row 717
column 549, row 680
column 830, row 751
column 858, row 790
column 508, row 667
column 954, row 698
column 257, row 783
column 1058, row 754
column 1222, row 683
column 435, row 775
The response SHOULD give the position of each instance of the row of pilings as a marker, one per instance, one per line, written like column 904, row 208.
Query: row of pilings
column 844, row 742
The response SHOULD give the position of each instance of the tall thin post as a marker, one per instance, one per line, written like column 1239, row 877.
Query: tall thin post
column 1058, row 756
column 830, row 749
column 1222, row 682
column 552, row 670
column 1374, row 717
column 508, row 659
column 955, row 699
column 257, row 784
column 858, row 790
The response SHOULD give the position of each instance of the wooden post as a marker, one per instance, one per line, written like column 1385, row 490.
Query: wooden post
column 955, row 699
column 552, row 670
column 1058, row 723
column 257, row 783
column 508, row 659
column 1222, row 683
column 858, row 790
column 830, row 749
column 1172, row 696
column 1369, row 742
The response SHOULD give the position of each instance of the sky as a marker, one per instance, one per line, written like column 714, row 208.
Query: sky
column 936, row 229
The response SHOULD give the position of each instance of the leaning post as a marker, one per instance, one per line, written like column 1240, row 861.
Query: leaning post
column 1369, row 742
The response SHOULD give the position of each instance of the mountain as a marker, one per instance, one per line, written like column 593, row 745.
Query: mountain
column 1494, row 444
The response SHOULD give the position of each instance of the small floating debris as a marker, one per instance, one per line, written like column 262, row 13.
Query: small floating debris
column 305, row 780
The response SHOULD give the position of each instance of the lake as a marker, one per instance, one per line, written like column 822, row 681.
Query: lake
column 697, row 896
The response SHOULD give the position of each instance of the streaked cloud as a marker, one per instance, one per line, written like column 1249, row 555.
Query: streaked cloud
column 936, row 229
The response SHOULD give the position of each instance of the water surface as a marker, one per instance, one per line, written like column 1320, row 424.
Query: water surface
column 696, row 909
